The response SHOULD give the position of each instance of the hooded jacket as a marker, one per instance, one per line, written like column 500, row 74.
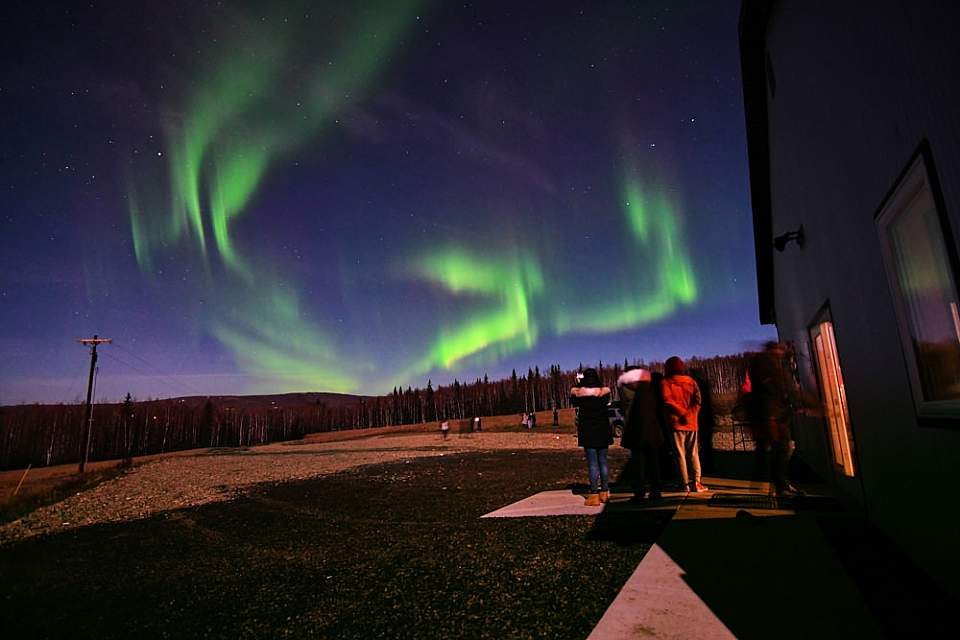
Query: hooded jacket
column 681, row 398
column 770, row 399
column 593, row 426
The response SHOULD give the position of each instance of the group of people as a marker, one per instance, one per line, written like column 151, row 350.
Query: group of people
column 659, row 409
column 475, row 426
column 529, row 420
column 664, row 410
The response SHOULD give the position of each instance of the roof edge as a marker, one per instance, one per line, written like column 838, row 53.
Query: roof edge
column 754, row 18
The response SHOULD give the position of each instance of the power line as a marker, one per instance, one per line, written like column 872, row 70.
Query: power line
column 183, row 385
column 171, row 383
column 81, row 381
column 137, row 356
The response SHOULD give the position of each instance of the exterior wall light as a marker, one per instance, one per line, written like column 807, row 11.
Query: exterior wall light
column 781, row 241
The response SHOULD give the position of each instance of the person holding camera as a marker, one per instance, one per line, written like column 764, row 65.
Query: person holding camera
column 590, row 398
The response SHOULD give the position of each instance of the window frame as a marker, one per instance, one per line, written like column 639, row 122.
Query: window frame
column 919, row 173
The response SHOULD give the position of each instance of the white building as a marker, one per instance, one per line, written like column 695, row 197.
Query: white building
column 853, row 128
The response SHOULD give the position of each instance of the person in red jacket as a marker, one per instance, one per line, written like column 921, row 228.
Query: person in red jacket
column 681, row 400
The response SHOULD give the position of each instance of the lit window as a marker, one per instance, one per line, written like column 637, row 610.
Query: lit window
column 914, row 237
column 833, row 394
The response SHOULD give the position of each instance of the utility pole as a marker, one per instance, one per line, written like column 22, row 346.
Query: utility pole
column 86, row 428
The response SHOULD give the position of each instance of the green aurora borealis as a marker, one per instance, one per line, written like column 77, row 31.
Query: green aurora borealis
column 218, row 157
column 350, row 197
column 664, row 274
column 232, row 133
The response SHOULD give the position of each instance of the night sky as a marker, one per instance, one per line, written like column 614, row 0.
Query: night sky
column 348, row 196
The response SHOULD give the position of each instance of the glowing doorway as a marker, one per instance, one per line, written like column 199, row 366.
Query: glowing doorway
column 833, row 394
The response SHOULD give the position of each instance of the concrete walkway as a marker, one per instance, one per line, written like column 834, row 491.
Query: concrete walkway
column 738, row 571
column 731, row 563
column 567, row 503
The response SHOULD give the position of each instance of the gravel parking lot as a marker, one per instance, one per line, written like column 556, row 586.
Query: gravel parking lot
column 395, row 549
column 188, row 479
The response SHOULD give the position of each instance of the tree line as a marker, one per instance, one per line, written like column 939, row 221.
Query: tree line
column 44, row 435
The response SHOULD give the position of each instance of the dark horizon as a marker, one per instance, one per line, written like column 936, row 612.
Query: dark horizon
column 348, row 398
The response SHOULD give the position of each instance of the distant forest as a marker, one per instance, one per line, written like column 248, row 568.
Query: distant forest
column 44, row 435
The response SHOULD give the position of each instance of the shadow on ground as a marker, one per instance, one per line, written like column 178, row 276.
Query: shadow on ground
column 823, row 572
column 630, row 528
column 395, row 550
column 807, row 576
column 756, row 574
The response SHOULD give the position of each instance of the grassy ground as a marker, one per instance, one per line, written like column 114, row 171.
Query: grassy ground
column 394, row 550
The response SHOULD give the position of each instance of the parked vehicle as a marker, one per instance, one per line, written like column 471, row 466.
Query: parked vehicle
column 615, row 416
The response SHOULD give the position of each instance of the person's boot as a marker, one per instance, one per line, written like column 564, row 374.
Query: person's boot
column 593, row 500
column 791, row 490
column 604, row 496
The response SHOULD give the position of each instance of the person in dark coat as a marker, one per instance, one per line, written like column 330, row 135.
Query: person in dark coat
column 669, row 469
column 770, row 405
column 642, row 433
column 590, row 398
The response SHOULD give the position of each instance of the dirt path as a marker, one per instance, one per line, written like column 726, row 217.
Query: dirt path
column 198, row 477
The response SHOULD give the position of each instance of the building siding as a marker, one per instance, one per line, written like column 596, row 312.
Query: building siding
column 858, row 87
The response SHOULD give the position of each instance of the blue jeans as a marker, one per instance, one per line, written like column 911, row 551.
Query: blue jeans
column 597, row 469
